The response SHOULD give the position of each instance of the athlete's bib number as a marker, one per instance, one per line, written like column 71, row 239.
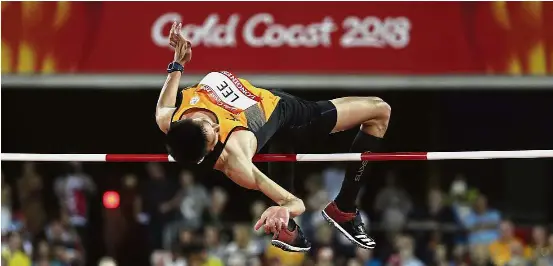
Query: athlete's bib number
column 225, row 90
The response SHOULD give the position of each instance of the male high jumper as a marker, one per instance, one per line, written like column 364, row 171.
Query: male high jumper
column 223, row 121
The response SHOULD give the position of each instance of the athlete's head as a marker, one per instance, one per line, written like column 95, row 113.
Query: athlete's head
column 190, row 140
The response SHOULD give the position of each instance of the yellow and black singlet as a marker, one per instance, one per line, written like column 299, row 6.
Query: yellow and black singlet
column 235, row 102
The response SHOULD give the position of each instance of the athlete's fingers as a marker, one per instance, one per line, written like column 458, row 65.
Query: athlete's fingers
column 175, row 38
column 261, row 221
column 179, row 30
column 172, row 31
column 267, row 228
column 278, row 225
column 284, row 224
column 273, row 225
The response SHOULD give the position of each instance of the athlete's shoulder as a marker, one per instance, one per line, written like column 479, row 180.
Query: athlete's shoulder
column 243, row 141
column 240, row 144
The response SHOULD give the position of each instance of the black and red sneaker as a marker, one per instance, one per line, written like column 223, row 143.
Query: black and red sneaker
column 291, row 239
column 349, row 224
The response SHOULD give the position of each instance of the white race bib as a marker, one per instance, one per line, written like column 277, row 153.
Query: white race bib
column 228, row 92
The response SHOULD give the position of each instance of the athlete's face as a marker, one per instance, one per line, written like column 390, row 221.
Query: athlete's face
column 211, row 131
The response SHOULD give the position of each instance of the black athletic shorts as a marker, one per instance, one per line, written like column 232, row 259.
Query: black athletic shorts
column 296, row 119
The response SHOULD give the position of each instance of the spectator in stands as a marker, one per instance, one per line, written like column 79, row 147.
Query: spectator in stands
column 73, row 190
column 480, row 255
column 280, row 257
column 393, row 204
column 365, row 257
column 256, row 210
column 191, row 200
column 550, row 244
column 185, row 236
column 43, row 255
column 462, row 197
column 214, row 214
column 316, row 199
column 459, row 256
column 331, row 176
column 482, row 223
column 107, row 261
column 538, row 242
column 188, row 205
column 437, row 210
column 13, row 254
column 199, row 256
column 57, row 233
column 179, row 254
column 213, row 242
column 440, row 256
column 134, row 241
column 324, row 236
column 131, row 201
column 325, row 257
column 242, row 249
column 354, row 262
column 431, row 250
column 406, row 252
column 517, row 256
column 29, row 187
column 501, row 249
column 158, row 191
column 6, row 205
column 546, row 255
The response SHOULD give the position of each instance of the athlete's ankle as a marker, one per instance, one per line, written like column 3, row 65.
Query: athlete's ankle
column 337, row 214
column 345, row 204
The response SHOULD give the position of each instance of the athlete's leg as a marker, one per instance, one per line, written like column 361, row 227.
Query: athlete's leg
column 291, row 238
column 373, row 114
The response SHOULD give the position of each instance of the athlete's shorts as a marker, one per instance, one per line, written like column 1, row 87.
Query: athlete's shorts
column 298, row 118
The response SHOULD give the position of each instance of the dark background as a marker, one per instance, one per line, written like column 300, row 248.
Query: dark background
column 119, row 121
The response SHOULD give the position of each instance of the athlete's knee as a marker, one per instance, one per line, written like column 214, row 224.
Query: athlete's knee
column 378, row 124
column 384, row 110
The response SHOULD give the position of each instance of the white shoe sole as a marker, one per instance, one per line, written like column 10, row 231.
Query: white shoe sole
column 345, row 233
column 287, row 247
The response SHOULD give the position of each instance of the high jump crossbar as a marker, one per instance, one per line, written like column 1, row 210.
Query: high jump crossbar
column 332, row 157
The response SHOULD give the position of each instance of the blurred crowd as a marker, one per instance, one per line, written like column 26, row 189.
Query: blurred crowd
column 31, row 235
column 167, row 220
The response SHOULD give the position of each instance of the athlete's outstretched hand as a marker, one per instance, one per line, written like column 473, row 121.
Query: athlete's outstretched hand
column 183, row 48
column 274, row 218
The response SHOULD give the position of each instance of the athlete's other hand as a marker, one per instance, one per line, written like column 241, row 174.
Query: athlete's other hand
column 274, row 218
column 183, row 48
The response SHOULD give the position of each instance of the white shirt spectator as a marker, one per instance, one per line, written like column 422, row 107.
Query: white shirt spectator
column 71, row 190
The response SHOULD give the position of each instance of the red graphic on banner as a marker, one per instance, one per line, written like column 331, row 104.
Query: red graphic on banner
column 281, row 37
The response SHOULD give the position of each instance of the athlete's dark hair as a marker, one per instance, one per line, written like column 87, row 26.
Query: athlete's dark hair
column 186, row 141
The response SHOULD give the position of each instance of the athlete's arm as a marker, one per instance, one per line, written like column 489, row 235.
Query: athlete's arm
column 236, row 163
column 166, row 101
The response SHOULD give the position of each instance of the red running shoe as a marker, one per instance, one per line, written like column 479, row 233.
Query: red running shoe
column 349, row 224
column 291, row 240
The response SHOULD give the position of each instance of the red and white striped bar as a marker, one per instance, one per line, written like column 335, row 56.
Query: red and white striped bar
column 333, row 157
